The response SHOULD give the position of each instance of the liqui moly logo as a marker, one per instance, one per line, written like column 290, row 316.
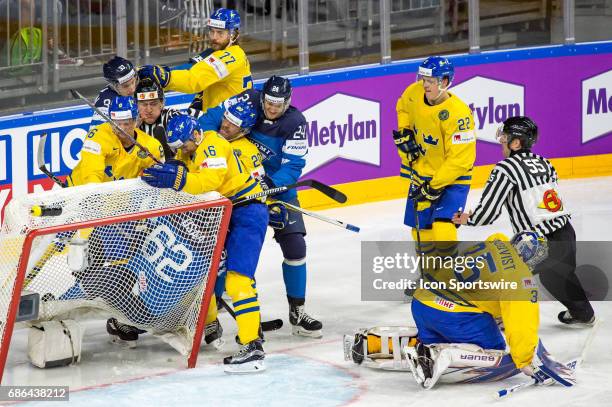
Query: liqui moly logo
column 597, row 106
column 492, row 102
column 342, row 126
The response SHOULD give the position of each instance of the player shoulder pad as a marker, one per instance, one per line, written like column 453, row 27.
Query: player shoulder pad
column 292, row 121
column 105, row 97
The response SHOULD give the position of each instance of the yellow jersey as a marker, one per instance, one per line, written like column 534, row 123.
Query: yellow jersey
column 445, row 134
column 215, row 166
column 103, row 157
column 499, row 283
column 250, row 157
column 219, row 76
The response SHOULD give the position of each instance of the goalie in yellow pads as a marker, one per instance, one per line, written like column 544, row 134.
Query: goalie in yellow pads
column 208, row 163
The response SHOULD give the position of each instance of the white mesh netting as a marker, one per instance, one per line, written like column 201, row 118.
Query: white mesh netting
column 150, row 273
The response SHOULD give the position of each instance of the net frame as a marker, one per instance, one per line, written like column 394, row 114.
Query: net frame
column 104, row 221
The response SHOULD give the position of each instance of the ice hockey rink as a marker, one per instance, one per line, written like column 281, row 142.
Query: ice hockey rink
column 303, row 371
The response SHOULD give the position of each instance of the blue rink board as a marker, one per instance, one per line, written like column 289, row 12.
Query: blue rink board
column 288, row 381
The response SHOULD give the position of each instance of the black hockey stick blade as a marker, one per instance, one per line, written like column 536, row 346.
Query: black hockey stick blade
column 331, row 192
column 42, row 166
column 271, row 325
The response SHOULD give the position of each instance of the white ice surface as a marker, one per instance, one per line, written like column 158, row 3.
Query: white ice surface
column 304, row 371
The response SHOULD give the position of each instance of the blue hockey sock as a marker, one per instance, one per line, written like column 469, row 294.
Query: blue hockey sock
column 294, row 275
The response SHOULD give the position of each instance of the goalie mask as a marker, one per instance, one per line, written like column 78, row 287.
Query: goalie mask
column 531, row 246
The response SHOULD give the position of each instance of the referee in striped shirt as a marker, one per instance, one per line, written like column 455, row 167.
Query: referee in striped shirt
column 526, row 184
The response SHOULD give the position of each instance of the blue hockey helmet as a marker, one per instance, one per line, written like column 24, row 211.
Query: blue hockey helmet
column 182, row 128
column 437, row 67
column 224, row 19
column 123, row 108
column 241, row 114
column 277, row 90
column 118, row 70
column 531, row 246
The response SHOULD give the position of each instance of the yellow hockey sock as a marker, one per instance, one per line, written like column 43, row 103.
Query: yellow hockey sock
column 211, row 315
column 246, row 305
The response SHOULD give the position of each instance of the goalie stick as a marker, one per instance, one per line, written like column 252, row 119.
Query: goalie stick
column 572, row 364
column 77, row 95
column 315, row 215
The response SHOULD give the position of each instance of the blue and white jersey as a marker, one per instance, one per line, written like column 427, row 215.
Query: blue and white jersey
column 102, row 102
column 282, row 142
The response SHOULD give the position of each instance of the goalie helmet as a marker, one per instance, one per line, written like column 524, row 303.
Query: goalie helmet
column 224, row 19
column 519, row 127
column 437, row 67
column 531, row 246
column 148, row 89
column 277, row 90
column 242, row 114
column 118, row 70
column 181, row 129
column 123, row 108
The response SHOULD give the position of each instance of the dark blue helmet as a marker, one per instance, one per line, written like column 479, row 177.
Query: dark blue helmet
column 277, row 90
column 242, row 114
column 181, row 129
column 437, row 67
column 118, row 70
column 123, row 108
column 224, row 19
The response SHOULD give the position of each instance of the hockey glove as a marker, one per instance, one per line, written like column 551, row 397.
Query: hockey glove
column 545, row 370
column 425, row 192
column 167, row 175
column 405, row 141
column 158, row 73
column 278, row 215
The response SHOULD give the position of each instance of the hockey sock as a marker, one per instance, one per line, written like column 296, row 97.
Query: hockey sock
column 212, row 310
column 444, row 231
column 294, row 275
column 246, row 305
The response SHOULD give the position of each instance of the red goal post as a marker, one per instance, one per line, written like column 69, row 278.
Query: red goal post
column 152, row 257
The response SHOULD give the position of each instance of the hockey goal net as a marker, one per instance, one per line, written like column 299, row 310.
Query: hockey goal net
column 143, row 255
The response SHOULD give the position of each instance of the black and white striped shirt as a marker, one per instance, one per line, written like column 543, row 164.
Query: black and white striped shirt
column 526, row 184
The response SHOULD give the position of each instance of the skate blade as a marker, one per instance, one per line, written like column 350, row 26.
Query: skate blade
column 256, row 366
column 348, row 347
column 120, row 342
column 299, row 331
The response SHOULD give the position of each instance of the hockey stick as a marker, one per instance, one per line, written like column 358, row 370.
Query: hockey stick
column 409, row 292
column 266, row 326
column 77, row 95
column 315, row 215
column 572, row 364
column 319, row 186
column 42, row 166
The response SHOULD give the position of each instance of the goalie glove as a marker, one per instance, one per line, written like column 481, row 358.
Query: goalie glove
column 405, row 141
column 278, row 215
column 425, row 192
column 158, row 73
column 546, row 371
column 166, row 175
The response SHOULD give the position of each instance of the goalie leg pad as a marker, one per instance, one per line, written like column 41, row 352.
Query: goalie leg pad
column 428, row 363
column 55, row 343
column 380, row 347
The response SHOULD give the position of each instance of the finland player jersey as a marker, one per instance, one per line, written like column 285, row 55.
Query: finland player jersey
column 102, row 102
column 218, row 76
column 282, row 142
column 103, row 157
column 492, row 292
column 445, row 134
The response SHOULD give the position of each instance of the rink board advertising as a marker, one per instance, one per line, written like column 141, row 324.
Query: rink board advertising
column 350, row 114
